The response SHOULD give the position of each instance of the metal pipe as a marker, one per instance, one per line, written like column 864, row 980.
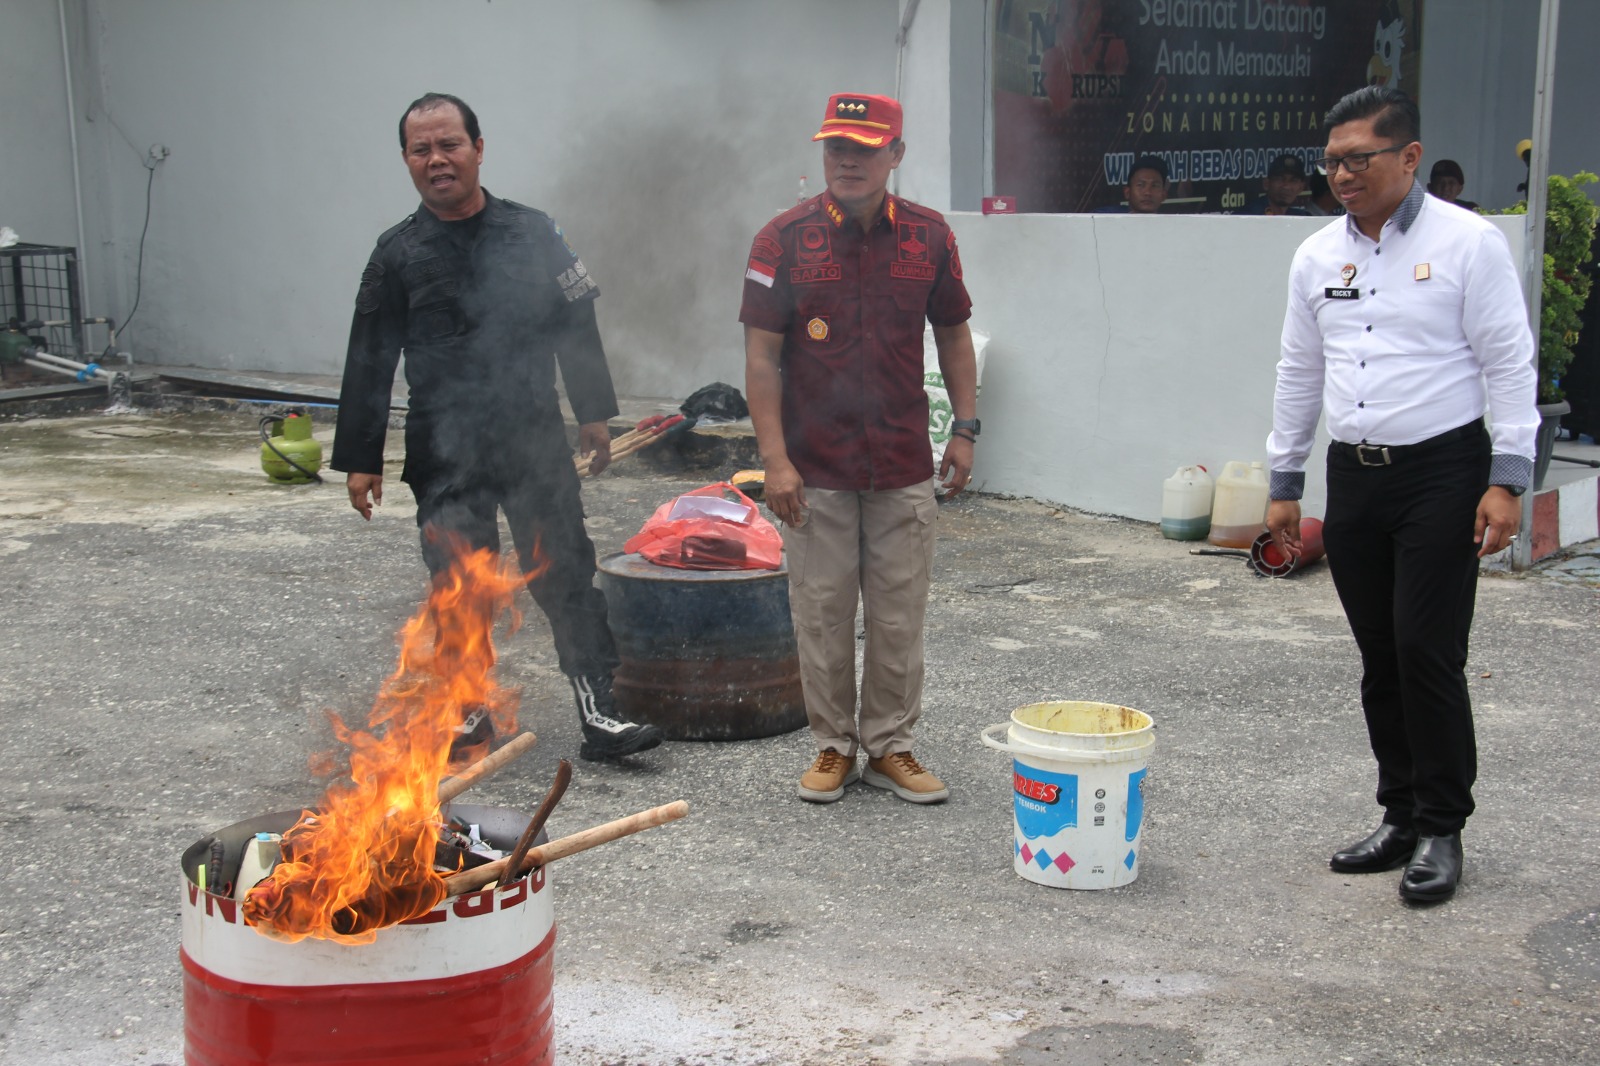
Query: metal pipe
column 1538, row 200
column 72, row 131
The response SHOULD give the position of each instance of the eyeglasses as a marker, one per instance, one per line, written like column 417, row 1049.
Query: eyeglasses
column 1355, row 163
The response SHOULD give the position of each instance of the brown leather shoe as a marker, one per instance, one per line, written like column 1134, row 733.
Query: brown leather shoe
column 825, row 781
column 903, row 775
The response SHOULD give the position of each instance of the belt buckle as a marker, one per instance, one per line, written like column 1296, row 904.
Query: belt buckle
column 1380, row 453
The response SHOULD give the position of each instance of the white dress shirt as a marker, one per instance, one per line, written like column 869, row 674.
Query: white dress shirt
column 1405, row 338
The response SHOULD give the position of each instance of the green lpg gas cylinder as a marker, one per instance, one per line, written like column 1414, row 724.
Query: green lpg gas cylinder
column 289, row 446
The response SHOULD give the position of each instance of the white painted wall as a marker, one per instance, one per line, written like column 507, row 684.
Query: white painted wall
column 925, row 95
column 1125, row 347
column 34, row 152
column 660, row 134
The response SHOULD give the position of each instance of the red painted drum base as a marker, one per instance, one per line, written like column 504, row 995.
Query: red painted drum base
column 500, row 1017
column 467, row 983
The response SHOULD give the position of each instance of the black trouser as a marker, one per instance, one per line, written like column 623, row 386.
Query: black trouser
column 544, row 511
column 1399, row 543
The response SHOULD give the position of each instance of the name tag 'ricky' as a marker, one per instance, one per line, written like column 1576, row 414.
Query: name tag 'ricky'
column 1342, row 294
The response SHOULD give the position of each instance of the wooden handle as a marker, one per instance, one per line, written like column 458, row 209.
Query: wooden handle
column 451, row 787
column 475, row 878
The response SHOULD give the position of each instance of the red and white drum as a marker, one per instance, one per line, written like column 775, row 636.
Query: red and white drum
column 469, row 982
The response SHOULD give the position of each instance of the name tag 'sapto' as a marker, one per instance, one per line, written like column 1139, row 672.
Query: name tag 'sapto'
column 1342, row 294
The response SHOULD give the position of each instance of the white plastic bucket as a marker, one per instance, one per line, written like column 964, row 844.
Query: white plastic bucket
column 1077, row 776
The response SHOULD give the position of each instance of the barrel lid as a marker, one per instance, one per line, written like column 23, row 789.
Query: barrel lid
column 635, row 566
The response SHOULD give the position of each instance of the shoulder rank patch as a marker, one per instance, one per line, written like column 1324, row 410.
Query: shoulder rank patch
column 370, row 294
column 835, row 214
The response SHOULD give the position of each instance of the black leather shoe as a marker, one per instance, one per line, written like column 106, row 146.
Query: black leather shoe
column 1434, row 871
column 1385, row 849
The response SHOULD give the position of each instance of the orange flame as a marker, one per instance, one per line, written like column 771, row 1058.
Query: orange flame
column 365, row 858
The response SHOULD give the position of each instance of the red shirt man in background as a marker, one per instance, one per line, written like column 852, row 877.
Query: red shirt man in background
column 835, row 299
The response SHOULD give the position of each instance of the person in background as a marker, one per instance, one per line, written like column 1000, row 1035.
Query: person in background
column 1404, row 323
column 1323, row 202
column 1146, row 190
column 486, row 297
column 1284, row 183
column 1447, row 181
column 837, row 294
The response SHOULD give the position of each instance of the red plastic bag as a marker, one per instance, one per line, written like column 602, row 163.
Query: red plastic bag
column 704, row 530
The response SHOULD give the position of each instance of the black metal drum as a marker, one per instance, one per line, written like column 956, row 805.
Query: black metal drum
column 706, row 654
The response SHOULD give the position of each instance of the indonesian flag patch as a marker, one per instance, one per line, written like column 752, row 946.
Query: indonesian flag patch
column 761, row 273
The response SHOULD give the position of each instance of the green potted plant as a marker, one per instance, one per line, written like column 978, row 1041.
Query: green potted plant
column 1569, row 229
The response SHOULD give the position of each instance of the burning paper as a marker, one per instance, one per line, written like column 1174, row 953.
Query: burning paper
column 364, row 859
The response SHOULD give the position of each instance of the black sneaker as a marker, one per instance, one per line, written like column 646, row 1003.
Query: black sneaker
column 473, row 739
column 606, row 737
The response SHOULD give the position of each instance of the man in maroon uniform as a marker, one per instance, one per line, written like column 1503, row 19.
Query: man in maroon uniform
column 835, row 300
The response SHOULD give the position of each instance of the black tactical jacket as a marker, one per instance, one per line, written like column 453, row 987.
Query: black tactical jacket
column 482, row 322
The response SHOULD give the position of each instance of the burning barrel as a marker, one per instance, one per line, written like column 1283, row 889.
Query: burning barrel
column 706, row 654
column 469, row 981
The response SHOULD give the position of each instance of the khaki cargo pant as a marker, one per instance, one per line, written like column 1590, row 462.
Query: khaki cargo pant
column 876, row 547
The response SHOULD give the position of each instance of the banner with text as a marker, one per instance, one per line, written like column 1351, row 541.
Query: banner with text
column 1215, row 88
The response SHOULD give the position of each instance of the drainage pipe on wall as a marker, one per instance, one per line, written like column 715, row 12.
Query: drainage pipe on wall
column 77, row 180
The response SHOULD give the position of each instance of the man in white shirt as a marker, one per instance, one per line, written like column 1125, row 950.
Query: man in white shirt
column 1405, row 320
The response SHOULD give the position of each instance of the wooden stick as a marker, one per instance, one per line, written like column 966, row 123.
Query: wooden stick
column 475, row 878
column 451, row 787
column 558, row 788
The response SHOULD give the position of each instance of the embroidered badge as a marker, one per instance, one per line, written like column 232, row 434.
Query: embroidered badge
column 817, row 328
column 821, row 272
column 1423, row 272
column 576, row 282
column 814, row 246
column 913, row 242
column 371, row 293
column 891, row 210
column 835, row 214
column 1348, row 273
column 766, row 248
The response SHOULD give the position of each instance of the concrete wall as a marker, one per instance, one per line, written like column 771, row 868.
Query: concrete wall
column 660, row 134
column 1478, row 70
column 35, row 156
column 925, row 94
column 1126, row 347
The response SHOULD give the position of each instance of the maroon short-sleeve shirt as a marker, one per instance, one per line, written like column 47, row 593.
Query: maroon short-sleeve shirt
column 851, row 306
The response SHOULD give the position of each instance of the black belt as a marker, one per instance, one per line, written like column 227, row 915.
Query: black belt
column 1389, row 454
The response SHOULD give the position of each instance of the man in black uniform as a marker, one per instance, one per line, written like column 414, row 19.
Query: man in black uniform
column 485, row 297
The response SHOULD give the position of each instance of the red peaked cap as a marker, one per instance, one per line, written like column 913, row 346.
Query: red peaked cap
column 870, row 120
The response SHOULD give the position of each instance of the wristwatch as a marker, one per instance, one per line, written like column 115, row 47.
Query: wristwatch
column 973, row 424
column 1515, row 490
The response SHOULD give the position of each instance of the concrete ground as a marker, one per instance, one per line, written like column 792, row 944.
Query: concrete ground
column 174, row 627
